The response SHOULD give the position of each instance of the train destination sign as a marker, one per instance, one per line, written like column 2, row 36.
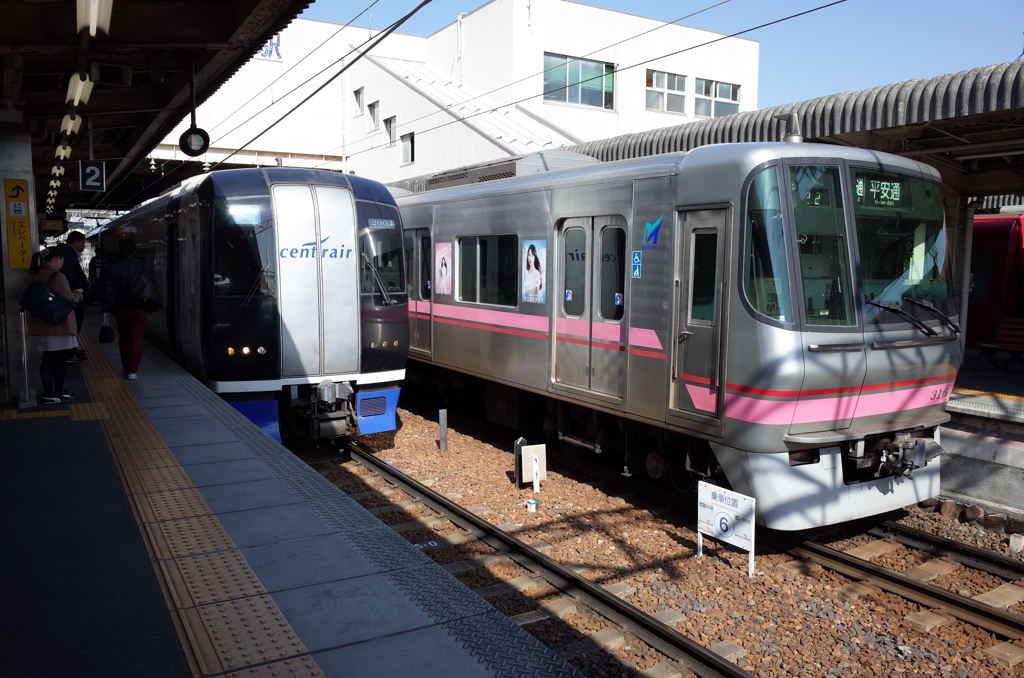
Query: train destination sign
column 727, row 516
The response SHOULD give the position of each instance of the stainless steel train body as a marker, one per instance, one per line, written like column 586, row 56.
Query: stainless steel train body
column 281, row 286
column 781, row 311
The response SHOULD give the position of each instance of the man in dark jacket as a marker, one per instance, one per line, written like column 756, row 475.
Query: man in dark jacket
column 131, row 321
column 72, row 270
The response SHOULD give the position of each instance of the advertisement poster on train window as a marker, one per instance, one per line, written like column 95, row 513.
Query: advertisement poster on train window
column 534, row 253
column 443, row 268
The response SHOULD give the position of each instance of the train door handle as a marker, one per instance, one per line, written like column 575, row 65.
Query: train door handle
column 684, row 335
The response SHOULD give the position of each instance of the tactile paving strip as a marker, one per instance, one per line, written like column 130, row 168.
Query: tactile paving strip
column 211, row 578
column 88, row 411
column 226, row 620
column 242, row 633
column 188, row 537
column 184, row 503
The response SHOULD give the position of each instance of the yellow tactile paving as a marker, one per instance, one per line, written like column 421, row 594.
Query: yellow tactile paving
column 990, row 394
column 184, row 503
column 88, row 411
column 225, row 619
column 244, row 632
column 7, row 415
column 211, row 578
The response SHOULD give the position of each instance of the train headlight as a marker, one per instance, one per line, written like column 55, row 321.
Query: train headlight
column 261, row 350
column 231, row 351
column 245, row 350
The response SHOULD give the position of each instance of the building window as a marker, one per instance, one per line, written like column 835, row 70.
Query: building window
column 389, row 131
column 663, row 92
column 357, row 99
column 373, row 110
column 579, row 81
column 408, row 148
column 713, row 99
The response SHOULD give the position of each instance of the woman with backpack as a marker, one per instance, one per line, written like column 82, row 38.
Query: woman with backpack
column 58, row 342
column 117, row 299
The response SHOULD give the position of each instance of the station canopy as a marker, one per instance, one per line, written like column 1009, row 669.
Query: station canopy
column 120, row 73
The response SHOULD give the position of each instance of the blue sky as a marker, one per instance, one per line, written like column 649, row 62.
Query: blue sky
column 851, row 46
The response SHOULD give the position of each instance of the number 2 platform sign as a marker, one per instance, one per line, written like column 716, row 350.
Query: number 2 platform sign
column 727, row 516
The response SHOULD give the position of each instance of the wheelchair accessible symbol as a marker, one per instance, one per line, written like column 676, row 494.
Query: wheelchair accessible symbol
column 637, row 263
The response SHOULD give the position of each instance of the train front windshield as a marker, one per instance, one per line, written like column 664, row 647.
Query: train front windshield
column 380, row 242
column 901, row 246
column 902, row 240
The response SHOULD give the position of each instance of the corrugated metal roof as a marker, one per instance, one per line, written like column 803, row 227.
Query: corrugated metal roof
column 981, row 90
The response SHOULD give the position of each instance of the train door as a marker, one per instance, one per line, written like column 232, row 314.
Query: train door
column 590, row 346
column 417, row 263
column 188, row 256
column 318, row 280
column 697, row 384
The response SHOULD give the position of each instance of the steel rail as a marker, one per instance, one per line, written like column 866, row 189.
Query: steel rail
column 697, row 658
column 965, row 554
column 978, row 614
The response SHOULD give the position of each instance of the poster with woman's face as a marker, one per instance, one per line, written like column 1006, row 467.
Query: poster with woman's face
column 534, row 263
column 442, row 268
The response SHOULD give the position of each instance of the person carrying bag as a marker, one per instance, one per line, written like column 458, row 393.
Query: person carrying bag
column 57, row 341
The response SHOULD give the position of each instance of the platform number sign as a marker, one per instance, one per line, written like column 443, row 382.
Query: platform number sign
column 727, row 516
column 93, row 175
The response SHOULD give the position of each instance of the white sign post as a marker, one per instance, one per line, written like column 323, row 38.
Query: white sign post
column 727, row 516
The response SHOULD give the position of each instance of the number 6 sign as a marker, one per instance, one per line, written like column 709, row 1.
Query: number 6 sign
column 92, row 175
column 727, row 516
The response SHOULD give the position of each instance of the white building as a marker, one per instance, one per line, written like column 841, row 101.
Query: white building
column 511, row 77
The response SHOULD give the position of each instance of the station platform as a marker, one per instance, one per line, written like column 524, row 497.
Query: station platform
column 153, row 531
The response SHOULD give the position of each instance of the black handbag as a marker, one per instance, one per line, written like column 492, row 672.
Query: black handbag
column 106, row 333
column 46, row 304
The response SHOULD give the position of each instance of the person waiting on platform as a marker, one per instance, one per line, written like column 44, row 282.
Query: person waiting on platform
column 57, row 343
column 131, row 321
column 71, row 250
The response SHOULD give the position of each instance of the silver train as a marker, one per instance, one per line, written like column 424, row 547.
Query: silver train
column 283, row 291
column 778, row 314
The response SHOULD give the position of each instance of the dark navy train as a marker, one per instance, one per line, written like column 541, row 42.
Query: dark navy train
column 284, row 292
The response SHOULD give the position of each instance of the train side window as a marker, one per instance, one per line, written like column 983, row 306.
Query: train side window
column 410, row 259
column 822, row 244
column 765, row 272
column 488, row 269
column 613, row 273
column 574, row 267
column 425, row 273
column 704, row 282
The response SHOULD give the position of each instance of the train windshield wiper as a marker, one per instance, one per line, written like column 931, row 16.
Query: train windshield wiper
column 931, row 307
column 255, row 285
column 388, row 301
column 895, row 308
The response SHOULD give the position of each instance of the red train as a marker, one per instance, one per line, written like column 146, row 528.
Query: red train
column 997, row 275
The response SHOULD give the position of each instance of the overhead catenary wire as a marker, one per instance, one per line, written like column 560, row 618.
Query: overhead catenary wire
column 344, row 68
column 618, row 70
column 570, row 60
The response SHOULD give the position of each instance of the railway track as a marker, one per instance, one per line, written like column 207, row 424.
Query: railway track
column 519, row 580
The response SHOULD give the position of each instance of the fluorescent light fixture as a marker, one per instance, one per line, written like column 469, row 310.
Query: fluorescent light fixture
column 62, row 152
column 95, row 15
column 79, row 90
column 993, row 154
column 70, row 125
column 57, row 171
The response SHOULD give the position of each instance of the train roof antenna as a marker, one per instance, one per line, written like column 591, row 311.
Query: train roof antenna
column 793, row 135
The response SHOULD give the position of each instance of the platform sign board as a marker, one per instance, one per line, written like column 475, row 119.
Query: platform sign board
column 93, row 175
column 52, row 224
column 727, row 516
column 19, row 230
